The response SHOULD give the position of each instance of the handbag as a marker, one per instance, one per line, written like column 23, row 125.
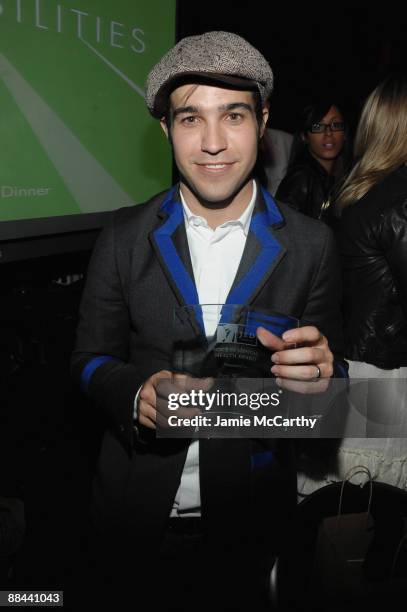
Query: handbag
column 342, row 545
column 367, row 568
column 361, row 555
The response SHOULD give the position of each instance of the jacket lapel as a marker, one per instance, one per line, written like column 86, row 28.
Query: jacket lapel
column 261, row 255
column 170, row 243
column 262, row 252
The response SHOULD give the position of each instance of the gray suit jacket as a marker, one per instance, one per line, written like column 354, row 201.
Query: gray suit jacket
column 139, row 272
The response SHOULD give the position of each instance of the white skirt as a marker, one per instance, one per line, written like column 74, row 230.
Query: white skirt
column 386, row 405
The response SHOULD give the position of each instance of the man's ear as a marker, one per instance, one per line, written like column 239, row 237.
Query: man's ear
column 265, row 113
column 164, row 126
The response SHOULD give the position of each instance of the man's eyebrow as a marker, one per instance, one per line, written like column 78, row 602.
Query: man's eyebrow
column 224, row 107
column 234, row 105
column 184, row 109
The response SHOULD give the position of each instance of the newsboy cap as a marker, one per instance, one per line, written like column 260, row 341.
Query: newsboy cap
column 222, row 57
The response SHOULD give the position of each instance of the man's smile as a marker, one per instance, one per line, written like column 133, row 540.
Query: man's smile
column 215, row 168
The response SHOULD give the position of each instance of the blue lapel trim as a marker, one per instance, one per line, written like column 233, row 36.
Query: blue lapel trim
column 277, row 324
column 259, row 225
column 163, row 238
column 273, row 211
column 270, row 249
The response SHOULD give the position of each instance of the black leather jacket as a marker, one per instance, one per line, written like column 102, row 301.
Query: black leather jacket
column 306, row 187
column 373, row 246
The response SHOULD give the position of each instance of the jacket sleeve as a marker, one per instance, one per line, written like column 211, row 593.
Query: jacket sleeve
column 317, row 457
column 323, row 308
column 394, row 241
column 99, row 361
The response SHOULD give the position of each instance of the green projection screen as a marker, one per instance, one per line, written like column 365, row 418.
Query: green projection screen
column 76, row 137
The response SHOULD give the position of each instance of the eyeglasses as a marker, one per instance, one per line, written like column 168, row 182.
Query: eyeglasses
column 334, row 126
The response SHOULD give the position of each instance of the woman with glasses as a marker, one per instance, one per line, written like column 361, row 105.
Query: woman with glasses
column 317, row 160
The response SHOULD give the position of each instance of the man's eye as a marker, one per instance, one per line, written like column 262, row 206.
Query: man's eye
column 235, row 117
column 190, row 120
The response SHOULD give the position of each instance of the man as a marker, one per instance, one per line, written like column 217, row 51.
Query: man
column 166, row 505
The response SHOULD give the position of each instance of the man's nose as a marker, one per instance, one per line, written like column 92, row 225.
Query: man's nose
column 213, row 139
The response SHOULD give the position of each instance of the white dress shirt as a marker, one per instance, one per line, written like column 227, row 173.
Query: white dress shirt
column 215, row 256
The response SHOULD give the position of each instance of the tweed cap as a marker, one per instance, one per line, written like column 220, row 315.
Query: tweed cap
column 223, row 57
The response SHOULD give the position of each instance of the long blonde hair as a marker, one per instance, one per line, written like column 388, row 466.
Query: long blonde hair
column 381, row 140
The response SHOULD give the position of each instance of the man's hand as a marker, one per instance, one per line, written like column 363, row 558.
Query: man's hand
column 301, row 361
column 153, row 398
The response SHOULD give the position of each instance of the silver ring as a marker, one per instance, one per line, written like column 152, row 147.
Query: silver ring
column 318, row 373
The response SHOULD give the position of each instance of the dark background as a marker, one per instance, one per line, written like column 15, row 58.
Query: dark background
column 313, row 49
column 49, row 435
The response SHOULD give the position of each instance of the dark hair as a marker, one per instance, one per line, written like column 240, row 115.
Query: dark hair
column 313, row 113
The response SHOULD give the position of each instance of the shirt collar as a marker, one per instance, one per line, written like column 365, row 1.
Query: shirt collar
column 243, row 220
